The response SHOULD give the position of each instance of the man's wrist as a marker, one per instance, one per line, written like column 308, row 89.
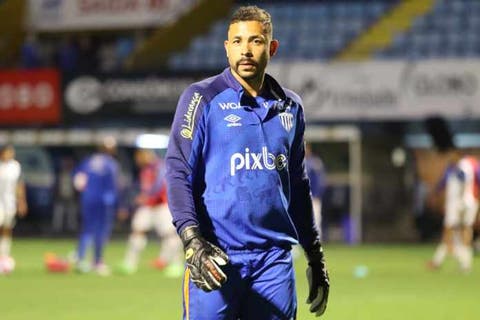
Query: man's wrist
column 314, row 252
column 189, row 233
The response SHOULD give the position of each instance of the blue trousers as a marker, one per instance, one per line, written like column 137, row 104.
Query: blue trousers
column 97, row 219
column 260, row 286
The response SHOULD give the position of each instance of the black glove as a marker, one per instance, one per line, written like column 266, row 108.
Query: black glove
column 318, row 281
column 203, row 259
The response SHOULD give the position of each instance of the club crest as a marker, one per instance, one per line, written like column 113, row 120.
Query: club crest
column 286, row 119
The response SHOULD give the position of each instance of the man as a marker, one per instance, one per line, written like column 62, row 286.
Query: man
column 237, row 187
column 152, row 212
column 96, row 178
column 12, row 197
column 476, row 235
column 461, row 183
column 65, row 210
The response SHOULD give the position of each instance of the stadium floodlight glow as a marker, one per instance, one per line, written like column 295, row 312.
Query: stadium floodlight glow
column 151, row 141
column 399, row 157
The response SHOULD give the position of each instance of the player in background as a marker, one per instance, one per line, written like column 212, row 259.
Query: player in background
column 237, row 186
column 97, row 180
column 461, row 184
column 65, row 210
column 476, row 231
column 152, row 212
column 317, row 177
column 12, row 197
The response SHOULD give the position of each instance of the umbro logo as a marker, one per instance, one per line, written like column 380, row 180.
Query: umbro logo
column 233, row 120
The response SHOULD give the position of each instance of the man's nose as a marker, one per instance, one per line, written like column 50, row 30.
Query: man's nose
column 246, row 50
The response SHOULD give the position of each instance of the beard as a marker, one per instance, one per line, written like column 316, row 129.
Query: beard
column 247, row 72
column 251, row 70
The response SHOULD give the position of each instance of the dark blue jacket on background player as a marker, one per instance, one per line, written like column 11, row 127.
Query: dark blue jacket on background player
column 96, row 178
column 241, row 199
column 101, row 188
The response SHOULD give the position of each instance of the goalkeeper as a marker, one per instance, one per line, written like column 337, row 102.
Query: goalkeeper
column 237, row 186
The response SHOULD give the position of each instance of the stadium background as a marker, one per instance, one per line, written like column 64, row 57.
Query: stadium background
column 387, row 85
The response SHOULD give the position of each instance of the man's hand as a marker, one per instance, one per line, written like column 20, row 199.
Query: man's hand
column 204, row 260
column 318, row 281
column 22, row 208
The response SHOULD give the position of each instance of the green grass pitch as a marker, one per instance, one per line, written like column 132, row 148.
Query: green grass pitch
column 393, row 284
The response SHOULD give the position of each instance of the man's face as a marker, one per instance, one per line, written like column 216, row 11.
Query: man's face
column 144, row 157
column 140, row 158
column 8, row 153
column 249, row 49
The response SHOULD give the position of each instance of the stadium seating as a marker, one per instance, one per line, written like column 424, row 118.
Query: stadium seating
column 307, row 30
column 449, row 30
column 320, row 30
column 323, row 31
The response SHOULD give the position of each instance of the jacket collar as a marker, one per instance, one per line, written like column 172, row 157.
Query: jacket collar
column 272, row 88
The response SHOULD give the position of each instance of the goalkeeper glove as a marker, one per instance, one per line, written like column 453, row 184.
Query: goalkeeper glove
column 318, row 281
column 203, row 259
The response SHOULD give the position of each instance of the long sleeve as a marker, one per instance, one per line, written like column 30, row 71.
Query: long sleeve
column 300, row 208
column 442, row 183
column 183, row 154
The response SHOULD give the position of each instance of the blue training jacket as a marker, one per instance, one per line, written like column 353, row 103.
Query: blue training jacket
column 235, row 165
column 102, row 182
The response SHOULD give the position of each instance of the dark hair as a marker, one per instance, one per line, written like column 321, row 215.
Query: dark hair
column 254, row 13
column 6, row 146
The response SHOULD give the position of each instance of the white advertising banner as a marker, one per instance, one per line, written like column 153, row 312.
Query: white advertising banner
column 63, row 15
column 384, row 89
column 448, row 87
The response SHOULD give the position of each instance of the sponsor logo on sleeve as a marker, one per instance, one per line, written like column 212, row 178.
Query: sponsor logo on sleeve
column 189, row 116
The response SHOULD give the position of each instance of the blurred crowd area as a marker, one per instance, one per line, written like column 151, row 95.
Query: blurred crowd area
column 79, row 53
column 372, row 74
column 407, row 30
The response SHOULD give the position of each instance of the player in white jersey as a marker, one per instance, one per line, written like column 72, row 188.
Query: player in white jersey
column 461, row 182
column 12, row 197
column 152, row 213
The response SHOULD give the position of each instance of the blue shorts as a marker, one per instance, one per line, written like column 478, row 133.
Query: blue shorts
column 260, row 285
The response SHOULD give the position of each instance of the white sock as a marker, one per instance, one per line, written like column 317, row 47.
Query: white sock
column 440, row 254
column 465, row 257
column 136, row 244
column 171, row 249
column 5, row 246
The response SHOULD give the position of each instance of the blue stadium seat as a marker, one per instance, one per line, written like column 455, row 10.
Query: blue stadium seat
column 318, row 30
column 451, row 29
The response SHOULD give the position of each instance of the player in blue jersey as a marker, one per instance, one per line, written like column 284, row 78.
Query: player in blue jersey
column 96, row 178
column 238, row 189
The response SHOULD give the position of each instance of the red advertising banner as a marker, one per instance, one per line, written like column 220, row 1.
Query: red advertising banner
column 29, row 97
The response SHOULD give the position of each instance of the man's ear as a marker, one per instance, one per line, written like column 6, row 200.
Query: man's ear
column 225, row 45
column 274, row 47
